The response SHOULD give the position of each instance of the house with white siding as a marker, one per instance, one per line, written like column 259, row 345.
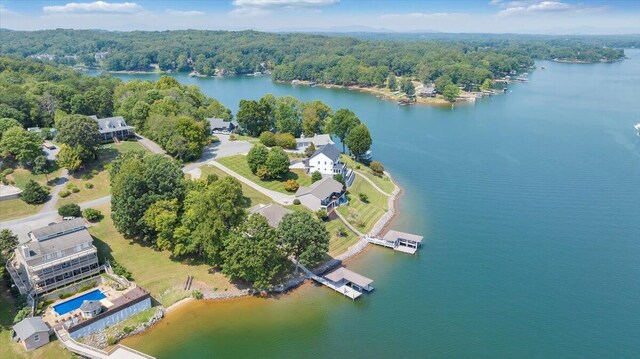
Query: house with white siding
column 326, row 160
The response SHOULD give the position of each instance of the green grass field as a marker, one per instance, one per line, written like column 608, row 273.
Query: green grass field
column 383, row 182
column 239, row 165
column 100, row 181
column 339, row 244
column 16, row 208
column 363, row 215
column 152, row 269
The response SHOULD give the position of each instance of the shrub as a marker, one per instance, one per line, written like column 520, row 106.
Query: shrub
column 257, row 157
column 262, row 172
column 64, row 193
column 92, row 215
column 7, row 171
column 75, row 189
column 88, row 185
column 377, row 168
column 111, row 340
column 22, row 313
column 277, row 163
column 268, row 139
column 341, row 232
column 296, row 201
column 94, row 172
column 70, row 210
column 232, row 137
column 322, row 214
column 65, row 295
column 34, row 193
column 86, row 176
column 119, row 269
column 338, row 177
column 128, row 329
column 316, row 176
column 291, row 185
column 211, row 177
column 363, row 197
column 214, row 139
column 285, row 140
column 197, row 294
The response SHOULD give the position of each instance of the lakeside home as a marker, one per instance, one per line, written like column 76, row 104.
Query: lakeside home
column 326, row 160
column 113, row 128
column 317, row 140
column 272, row 212
column 221, row 126
column 326, row 194
column 54, row 256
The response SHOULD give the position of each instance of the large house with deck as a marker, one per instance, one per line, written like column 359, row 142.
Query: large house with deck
column 326, row 160
column 113, row 128
column 326, row 194
column 54, row 256
column 317, row 140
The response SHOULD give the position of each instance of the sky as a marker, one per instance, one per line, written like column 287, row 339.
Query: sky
column 457, row 16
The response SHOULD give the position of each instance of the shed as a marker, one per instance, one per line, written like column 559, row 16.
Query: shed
column 32, row 332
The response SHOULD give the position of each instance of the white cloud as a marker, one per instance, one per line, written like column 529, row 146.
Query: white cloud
column 262, row 7
column 184, row 12
column 533, row 6
column 93, row 7
column 5, row 11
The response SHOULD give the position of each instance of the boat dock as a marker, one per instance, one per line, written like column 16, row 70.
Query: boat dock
column 398, row 241
column 346, row 282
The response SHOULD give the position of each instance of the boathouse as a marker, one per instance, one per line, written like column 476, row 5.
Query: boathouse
column 343, row 277
column 404, row 242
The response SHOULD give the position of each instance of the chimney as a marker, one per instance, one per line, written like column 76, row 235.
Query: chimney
column 25, row 251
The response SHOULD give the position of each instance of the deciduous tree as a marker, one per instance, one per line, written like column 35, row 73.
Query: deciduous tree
column 341, row 123
column 303, row 237
column 359, row 141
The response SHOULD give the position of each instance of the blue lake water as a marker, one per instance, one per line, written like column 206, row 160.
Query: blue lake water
column 75, row 303
column 530, row 207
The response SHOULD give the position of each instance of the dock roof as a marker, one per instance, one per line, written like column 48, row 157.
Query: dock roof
column 395, row 235
column 353, row 277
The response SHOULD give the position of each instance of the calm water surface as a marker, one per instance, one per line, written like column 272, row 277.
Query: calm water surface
column 530, row 206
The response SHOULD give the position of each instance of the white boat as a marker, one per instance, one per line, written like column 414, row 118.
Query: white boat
column 637, row 127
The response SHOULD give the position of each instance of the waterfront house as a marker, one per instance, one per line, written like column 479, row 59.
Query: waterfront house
column 272, row 212
column 222, row 126
column 317, row 140
column 113, row 128
column 428, row 90
column 54, row 256
column 31, row 332
column 326, row 160
column 326, row 194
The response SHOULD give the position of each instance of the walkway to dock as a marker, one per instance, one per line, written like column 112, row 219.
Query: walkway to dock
column 118, row 352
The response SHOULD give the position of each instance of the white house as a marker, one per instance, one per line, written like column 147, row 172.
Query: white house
column 318, row 140
column 326, row 160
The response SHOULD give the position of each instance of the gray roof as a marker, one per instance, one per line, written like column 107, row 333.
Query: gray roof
column 221, row 123
column 395, row 235
column 272, row 212
column 50, row 231
column 90, row 305
column 111, row 124
column 328, row 150
column 353, row 277
column 322, row 188
column 427, row 89
column 30, row 326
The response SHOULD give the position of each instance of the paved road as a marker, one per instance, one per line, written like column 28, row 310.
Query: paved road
column 51, row 204
column 276, row 196
column 150, row 145
column 224, row 148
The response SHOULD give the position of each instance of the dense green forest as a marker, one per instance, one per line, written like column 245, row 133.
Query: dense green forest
column 355, row 59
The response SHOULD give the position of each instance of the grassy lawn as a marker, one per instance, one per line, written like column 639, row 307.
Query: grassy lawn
column 252, row 196
column 383, row 182
column 10, row 349
column 249, row 139
column 360, row 214
column 239, row 165
column 339, row 244
column 15, row 208
column 154, row 270
column 21, row 176
column 100, row 180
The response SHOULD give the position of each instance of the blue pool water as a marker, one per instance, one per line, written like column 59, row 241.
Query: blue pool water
column 75, row 303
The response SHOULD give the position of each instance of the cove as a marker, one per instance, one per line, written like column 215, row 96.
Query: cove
column 530, row 207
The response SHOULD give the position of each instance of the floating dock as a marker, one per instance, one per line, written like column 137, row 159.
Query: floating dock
column 398, row 241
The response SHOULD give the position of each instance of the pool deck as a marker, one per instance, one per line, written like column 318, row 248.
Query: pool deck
column 52, row 318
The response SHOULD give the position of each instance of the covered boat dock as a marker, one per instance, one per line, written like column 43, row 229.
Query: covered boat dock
column 344, row 277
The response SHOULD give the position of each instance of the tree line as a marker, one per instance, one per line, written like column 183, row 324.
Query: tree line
column 344, row 60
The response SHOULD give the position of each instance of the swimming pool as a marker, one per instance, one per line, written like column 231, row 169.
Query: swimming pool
column 75, row 303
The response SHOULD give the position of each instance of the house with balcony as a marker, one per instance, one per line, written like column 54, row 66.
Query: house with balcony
column 113, row 128
column 54, row 256
column 326, row 160
column 326, row 194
